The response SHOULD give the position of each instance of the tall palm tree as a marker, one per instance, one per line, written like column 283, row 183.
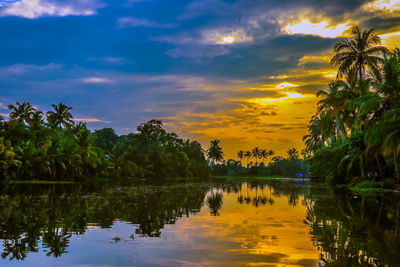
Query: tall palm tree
column 240, row 155
column 256, row 154
column 293, row 154
column 270, row 153
column 359, row 52
column 247, row 154
column 21, row 112
column 263, row 155
column 314, row 140
column 334, row 103
column 61, row 115
column 214, row 152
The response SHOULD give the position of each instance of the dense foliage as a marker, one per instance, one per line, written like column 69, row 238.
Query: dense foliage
column 355, row 134
column 54, row 147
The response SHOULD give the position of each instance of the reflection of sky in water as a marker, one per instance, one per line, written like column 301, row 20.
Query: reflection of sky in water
column 242, row 234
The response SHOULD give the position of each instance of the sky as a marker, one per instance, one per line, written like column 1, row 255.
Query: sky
column 245, row 72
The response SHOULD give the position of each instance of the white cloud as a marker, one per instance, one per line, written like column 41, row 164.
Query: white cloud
column 90, row 120
column 225, row 36
column 96, row 80
column 19, row 69
column 40, row 8
column 323, row 28
column 198, row 51
column 136, row 22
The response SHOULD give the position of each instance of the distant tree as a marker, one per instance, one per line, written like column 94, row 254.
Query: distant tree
column 106, row 139
column 263, row 155
column 61, row 115
column 240, row 155
column 22, row 112
column 247, row 154
column 214, row 152
column 271, row 153
column 293, row 154
column 255, row 153
column 277, row 158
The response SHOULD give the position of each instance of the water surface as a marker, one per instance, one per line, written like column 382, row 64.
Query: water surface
column 280, row 222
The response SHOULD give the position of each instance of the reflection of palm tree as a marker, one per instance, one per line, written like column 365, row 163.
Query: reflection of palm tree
column 255, row 199
column 16, row 248
column 214, row 202
column 56, row 242
column 270, row 201
column 247, row 198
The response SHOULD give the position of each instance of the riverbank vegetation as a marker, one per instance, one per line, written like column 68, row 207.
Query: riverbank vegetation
column 51, row 146
column 355, row 134
column 292, row 166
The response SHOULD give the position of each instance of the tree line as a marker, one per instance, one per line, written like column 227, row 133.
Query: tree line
column 291, row 166
column 52, row 146
column 355, row 133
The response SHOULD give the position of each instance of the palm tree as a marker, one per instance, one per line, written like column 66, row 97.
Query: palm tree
column 256, row 154
column 359, row 52
column 60, row 116
column 247, row 154
column 214, row 152
column 314, row 140
column 293, row 154
column 334, row 104
column 21, row 112
column 263, row 155
column 270, row 153
column 386, row 136
column 240, row 155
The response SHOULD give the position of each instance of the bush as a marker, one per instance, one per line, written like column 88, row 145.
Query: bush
column 324, row 164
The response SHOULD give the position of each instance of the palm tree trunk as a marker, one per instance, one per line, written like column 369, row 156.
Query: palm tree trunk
column 379, row 166
column 397, row 217
column 395, row 165
column 338, row 129
column 362, row 167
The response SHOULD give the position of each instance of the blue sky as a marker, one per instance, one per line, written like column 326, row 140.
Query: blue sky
column 243, row 71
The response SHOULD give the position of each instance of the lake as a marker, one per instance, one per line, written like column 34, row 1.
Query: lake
column 276, row 222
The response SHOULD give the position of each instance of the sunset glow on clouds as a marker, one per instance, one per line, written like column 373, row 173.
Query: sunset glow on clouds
column 245, row 72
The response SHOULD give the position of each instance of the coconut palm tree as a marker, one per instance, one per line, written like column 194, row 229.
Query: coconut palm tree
column 61, row 115
column 293, row 154
column 313, row 140
column 247, row 154
column 21, row 112
column 358, row 53
column 270, row 154
column 334, row 104
column 263, row 155
column 240, row 155
column 214, row 152
column 255, row 153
